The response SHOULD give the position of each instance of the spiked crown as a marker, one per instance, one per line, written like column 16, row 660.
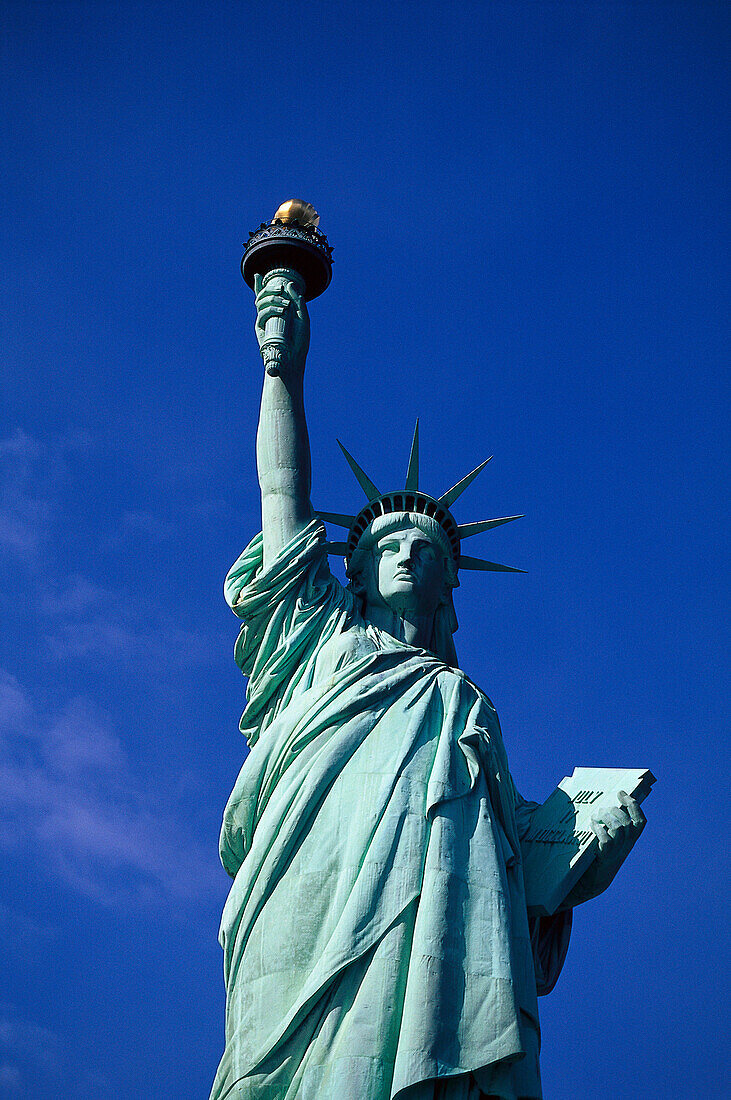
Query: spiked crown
column 412, row 499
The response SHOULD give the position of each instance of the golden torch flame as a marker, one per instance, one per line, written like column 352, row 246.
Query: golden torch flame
column 294, row 210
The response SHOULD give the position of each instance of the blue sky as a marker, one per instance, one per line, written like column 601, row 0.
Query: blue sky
column 527, row 207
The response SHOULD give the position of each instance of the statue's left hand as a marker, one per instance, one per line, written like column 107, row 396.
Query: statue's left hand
column 617, row 829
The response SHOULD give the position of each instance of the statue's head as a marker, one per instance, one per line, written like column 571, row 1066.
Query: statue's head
column 404, row 549
column 404, row 560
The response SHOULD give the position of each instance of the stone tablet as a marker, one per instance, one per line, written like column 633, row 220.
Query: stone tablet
column 561, row 843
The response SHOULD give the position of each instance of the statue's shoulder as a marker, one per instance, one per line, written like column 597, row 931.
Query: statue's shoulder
column 450, row 673
column 354, row 642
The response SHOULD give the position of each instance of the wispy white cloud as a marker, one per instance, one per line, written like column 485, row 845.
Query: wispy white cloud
column 26, row 1049
column 146, row 524
column 36, row 1061
column 80, row 744
column 22, row 447
column 31, row 474
column 71, row 799
column 77, row 596
column 25, row 509
column 81, row 617
column 23, row 1037
column 11, row 1079
column 84, row 619
column 15, row 923
column 15, row 709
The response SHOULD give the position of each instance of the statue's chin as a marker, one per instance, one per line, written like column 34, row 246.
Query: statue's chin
column 401, row 594
column 403, row 599
column 406, row 604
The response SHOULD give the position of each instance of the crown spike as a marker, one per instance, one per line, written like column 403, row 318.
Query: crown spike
column 337, row 518
column 412, row 474
column 448, row 498
column 486, row 566
column 467, row 529
column 363, row 480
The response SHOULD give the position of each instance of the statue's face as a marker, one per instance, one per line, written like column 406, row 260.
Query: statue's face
column 408, row 572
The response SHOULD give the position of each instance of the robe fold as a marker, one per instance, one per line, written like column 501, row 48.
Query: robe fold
column 376, row 940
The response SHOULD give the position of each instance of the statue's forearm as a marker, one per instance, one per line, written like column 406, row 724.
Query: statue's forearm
column 283, row 462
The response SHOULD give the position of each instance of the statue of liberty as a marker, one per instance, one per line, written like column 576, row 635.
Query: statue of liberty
column 376, row 938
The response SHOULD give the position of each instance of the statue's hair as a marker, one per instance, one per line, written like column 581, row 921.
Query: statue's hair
column 445, row 618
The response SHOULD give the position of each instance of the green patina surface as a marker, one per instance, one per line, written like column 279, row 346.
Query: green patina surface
column 376, row 934
column 377, row 942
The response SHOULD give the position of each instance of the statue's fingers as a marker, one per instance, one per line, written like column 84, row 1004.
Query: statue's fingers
column 292, row 292
column 269, row 295
column 604, row 814
column 616, row 821
column 274, row 296
column 632, row 807
column 601, row 832
column 257, row 284
column 301, row 310
column 269, row 311
column 273, row 305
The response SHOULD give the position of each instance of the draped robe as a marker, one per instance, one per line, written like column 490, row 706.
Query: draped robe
column 376, row 940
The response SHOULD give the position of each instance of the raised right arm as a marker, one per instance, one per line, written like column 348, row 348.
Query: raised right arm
column 282, row 443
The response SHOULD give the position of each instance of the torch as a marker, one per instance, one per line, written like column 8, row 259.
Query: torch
column 290, row 248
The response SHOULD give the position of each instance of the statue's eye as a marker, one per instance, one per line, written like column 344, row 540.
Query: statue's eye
column 390, row 547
